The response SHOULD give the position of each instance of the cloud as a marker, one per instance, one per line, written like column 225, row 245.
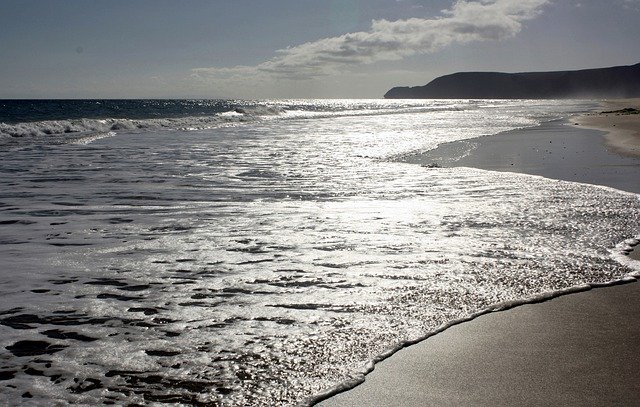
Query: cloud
column 465, row 22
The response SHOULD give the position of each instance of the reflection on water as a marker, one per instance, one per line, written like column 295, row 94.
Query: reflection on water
column 262, row 264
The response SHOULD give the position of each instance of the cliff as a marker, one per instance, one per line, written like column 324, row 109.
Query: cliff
column 615, row 82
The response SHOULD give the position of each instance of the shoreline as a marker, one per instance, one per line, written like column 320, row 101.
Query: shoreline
column 556, row 150
column 410, row 372
column 621, row 125
column 488, row 359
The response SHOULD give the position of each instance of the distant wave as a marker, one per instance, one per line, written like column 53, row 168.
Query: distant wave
column 260, row 110
column 71, row 130
column 93, row 137
column 61, row 123
column 60, row 127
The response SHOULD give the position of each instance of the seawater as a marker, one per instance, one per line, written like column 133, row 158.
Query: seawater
column 266, row 252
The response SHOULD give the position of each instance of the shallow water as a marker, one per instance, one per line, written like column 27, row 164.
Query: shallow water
column 264, row 262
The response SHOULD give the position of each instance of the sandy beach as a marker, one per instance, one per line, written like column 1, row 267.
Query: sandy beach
column 578, row 349
column 621, row 120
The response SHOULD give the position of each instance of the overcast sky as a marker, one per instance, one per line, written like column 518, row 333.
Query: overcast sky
column 295, row 48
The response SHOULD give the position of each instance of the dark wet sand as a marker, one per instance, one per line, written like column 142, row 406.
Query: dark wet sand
column 581, row 349
column 557, row 150
column 576, row 350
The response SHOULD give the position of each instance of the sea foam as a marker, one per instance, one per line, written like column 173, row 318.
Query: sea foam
column 268, row 261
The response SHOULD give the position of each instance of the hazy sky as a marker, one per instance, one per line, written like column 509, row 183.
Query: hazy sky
column 295, row 48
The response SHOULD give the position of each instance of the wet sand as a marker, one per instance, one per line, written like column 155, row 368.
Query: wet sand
column 574, row 350
column 557, row 150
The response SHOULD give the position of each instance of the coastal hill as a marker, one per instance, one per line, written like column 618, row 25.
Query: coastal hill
column 615, row 82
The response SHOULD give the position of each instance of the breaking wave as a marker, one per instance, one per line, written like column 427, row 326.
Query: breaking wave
column 61, row 123
column 58, row 127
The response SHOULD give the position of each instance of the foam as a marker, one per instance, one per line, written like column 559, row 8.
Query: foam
column 83, row 130
column 278, row 246
column 94, row 137
column 72, row 130
column 84, row 126
column 621, row 254
column 360, row 377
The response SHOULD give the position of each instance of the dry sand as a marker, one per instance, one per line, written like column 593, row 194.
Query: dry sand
column 623, row 129
column 575, row 350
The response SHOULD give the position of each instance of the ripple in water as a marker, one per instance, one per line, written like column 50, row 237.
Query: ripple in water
column 265, row 264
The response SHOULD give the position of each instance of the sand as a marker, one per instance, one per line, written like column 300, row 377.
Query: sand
column 557, row 150
column 623, row 129
column 575, row 350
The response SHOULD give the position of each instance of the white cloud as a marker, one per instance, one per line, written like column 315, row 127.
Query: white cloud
column 466, row 21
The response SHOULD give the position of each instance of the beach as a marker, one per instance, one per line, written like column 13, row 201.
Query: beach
column 336, row 203
column 621, row 121
column 267, row 252
column 577, row 349
column 574, row 350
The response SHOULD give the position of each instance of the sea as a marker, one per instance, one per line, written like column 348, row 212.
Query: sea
column 268, row 252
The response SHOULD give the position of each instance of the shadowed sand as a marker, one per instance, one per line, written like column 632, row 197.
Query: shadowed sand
column 574, row 350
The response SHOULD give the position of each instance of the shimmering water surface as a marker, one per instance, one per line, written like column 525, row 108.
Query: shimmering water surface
column 268, row 255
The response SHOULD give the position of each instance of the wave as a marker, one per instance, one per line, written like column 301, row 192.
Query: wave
column 72, row 129
column 60, row 127
column 80, row 130
column 260, row 110
column 93, row 137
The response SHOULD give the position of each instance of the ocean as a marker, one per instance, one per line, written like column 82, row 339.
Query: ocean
column 268, row 252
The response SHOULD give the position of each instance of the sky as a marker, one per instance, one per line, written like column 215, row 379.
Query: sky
column 253, row 49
